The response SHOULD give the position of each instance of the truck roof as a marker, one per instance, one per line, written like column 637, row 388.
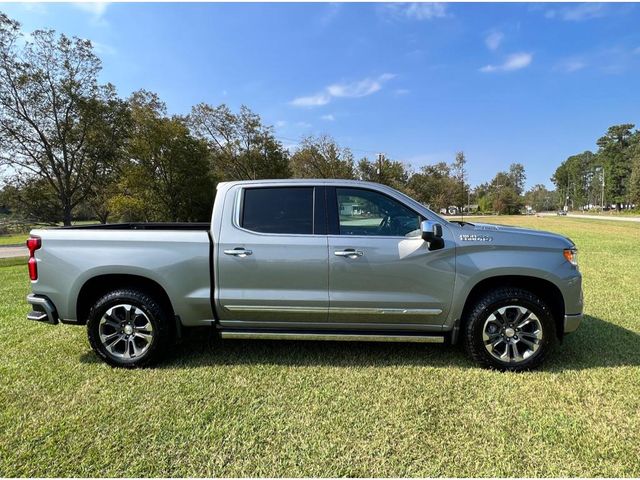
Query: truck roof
column 319, row 181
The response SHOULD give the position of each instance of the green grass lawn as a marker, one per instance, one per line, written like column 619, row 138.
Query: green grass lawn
column 258, row 408
column 14, row 239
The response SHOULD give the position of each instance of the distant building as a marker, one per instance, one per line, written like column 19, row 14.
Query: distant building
column 350, row 209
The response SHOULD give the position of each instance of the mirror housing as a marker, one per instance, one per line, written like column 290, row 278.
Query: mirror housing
column 432, row 234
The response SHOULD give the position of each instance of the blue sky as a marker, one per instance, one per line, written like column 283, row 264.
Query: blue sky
column 529, row 83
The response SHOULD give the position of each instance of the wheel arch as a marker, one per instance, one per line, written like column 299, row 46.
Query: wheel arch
column 97, row 286
column 541, row 287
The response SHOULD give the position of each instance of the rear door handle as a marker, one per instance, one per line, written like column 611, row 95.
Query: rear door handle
column 238, row 252
column 349, row 252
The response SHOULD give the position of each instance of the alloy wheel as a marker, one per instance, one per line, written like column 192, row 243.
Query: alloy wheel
column 126, row 331
column 512, row 334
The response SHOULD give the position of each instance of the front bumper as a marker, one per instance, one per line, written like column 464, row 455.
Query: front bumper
column 43, row 309
column 572, row 322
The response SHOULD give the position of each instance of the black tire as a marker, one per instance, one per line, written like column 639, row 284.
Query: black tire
column 474, row 328
column 157, row 316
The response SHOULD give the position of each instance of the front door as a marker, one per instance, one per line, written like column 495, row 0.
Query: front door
column 380, row 270
column 272, row 258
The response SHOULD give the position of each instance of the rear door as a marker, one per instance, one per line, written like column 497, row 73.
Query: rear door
column 380, row 270
column 272, row 257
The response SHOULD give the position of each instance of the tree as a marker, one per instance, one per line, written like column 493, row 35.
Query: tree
column 168, row 177
column 517, row 177
column 577, row 179
column 459, row 172
column 243, row 148
column 434, row 185
column 541, row 199
column 388, row 172
column 634, row 180
column 57, row 124
column 503, row 191
column 321, row 157
column 32, row 199
column 614, row 152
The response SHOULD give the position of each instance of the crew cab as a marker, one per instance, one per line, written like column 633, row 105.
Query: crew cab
column 310, row 260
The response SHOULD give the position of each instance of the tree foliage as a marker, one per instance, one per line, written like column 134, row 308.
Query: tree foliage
column 243, row 147
column 580, row 177
column 384, row 170
column 322, row 157
column 57, row 123
column 168, row 175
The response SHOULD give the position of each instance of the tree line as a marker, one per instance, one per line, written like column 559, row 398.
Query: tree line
column 71, row 148
column 610, row 177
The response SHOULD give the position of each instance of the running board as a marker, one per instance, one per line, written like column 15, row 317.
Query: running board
column 340, row 337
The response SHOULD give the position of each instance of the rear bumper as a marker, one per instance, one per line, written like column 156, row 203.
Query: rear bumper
column 43, row 310
column 572, row 322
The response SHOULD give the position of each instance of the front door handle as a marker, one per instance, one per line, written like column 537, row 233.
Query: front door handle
column 238, row 252
column 349, row 252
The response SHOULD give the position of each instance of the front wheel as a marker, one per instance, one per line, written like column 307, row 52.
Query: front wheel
column 128, row 328
column 509, row 329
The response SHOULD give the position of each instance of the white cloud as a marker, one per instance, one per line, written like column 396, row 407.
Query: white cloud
column 102, row 48
column 493, row 40
column 426, row 11
column 513, row 62
column 312, row 100
column 281, row 123
column 579, row 12
column 329, row 117
column 95, row 9
column 572, row 65
column 402, row 91
column 38, row 8
column 357, row 89
column 415, row 11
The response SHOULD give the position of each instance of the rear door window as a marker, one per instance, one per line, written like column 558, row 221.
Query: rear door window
column 278, row 210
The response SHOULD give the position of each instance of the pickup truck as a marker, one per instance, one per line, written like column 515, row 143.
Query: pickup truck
column 310, row 260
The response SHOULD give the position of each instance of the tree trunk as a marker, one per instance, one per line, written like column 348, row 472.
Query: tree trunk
column 66, row 214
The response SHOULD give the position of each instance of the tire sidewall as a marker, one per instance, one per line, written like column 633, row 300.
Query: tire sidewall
column 503, row 298
column 150, row 308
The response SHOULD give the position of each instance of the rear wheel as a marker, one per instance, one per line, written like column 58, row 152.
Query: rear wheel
column 509, row 329
column 128, row 328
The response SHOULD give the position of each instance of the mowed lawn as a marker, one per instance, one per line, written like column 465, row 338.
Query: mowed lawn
column 258, row 408
column 14, row 239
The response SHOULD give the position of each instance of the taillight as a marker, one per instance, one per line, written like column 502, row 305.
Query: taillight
column 33, row 244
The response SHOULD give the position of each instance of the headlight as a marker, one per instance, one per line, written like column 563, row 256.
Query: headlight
column 571, row 255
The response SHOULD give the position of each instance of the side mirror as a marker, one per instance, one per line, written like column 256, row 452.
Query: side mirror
column 432, row 234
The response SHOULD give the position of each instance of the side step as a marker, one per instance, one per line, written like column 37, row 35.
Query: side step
column 341, row 337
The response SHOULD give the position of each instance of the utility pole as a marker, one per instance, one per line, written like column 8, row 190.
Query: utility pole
column 602, row 198
column 379, row 169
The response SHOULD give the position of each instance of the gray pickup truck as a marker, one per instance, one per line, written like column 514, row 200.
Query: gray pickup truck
column 310, row 260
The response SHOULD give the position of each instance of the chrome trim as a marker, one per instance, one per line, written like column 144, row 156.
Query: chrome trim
column 332, row 336
column 261, row 308
column 358, row 311
column 572, row 322
column 394, row 311
column 349, row 252
column 238, row 252
column 328, row 325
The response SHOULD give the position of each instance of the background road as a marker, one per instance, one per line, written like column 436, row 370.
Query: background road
column 15, row 251
column 593, row 217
